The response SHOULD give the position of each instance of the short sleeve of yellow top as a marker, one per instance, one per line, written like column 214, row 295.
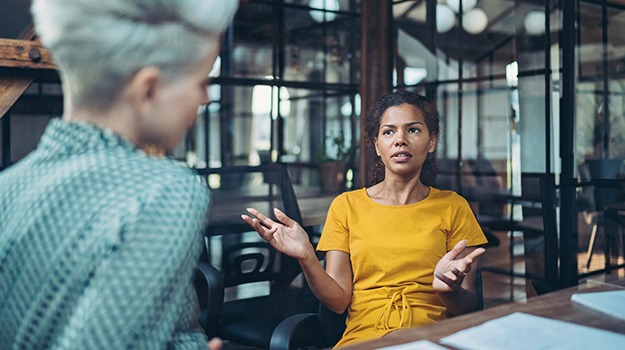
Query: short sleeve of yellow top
column 393, row 252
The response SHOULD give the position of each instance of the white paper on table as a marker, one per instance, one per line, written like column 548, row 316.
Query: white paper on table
column 611, row 303
column 523, row 331
column 416, row 345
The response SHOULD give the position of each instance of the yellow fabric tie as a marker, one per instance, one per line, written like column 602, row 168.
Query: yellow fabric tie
column 398, row 302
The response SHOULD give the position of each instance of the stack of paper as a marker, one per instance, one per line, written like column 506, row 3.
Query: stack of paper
column 417, row 345
column 523, row 331
column 611, row 303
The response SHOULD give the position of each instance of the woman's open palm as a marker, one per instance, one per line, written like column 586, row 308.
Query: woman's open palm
column 452, row 268
column 286, row 236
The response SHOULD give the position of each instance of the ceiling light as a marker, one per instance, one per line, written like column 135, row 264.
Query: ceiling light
column 475, row 21
column 534, row 23
column 323, row 16
column 466, row 5
column 445, row 18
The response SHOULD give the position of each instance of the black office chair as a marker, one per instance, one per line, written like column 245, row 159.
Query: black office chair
column 251, row 321
column 209, row 287
column 322, row 329
column 325, row 328
column 595, row 198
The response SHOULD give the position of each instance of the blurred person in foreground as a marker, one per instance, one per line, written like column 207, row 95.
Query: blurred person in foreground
column 98, row 240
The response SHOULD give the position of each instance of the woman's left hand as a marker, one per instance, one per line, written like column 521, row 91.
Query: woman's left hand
column 453, row 267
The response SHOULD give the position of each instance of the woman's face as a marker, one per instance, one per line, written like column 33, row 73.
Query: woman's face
column 404, row 141
column 177, row 104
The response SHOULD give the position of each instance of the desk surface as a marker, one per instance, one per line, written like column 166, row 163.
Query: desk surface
column 556, row 305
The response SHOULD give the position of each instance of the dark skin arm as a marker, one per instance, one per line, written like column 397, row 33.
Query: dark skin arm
column 454, row 279
column 332, row 286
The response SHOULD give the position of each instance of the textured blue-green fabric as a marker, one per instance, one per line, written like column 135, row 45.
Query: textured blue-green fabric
column 98, row 242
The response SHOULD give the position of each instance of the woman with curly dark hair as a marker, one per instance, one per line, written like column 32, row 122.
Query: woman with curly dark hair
column 399, row 253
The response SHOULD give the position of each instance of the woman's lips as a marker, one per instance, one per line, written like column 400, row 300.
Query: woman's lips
column 401, row 156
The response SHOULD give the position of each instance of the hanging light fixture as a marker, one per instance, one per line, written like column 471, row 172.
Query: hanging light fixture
column 321, row 16
column 475, row 21
column 445, row 18
column 466, row 5
column 534, row 22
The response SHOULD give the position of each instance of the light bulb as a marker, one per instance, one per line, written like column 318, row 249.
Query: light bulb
column 320, row 16
column 445, row 18
column 466, row 5
column 534, row 22
column 475, row 21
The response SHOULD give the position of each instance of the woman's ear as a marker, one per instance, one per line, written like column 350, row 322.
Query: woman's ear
column 433, row 142
column 142, row 90
column 375, row 145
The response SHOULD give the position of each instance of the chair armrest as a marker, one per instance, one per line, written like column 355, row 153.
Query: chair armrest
column 209, row 286
column 298, row 331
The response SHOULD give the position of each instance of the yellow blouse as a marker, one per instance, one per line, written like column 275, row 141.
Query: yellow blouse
column 393, row 251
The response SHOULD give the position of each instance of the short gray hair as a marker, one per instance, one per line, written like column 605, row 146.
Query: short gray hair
column 99, row 44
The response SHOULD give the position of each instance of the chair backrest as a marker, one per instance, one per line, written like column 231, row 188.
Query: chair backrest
column 332, row 325
column 598, row 197
column 479, row 287
column 550, row 201
column 488, row 184
column 234, row 189
column 530, row 194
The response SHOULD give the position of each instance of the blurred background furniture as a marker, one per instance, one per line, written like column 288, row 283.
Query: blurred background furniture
column 595, row 200
column 262, row 286
column 550, row 200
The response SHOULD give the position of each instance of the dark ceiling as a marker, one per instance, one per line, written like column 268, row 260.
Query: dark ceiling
column 14, row 18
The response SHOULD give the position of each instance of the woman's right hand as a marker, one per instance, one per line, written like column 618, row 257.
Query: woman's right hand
column 286, row 236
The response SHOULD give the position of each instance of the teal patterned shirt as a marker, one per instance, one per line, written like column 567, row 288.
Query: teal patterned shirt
column 98, row 242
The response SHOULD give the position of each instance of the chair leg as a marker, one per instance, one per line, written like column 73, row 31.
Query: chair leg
column 591, row 245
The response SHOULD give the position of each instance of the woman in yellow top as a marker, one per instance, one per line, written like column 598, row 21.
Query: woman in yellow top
column 398, row 253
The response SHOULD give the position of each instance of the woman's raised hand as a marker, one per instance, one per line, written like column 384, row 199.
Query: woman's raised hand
column 453, row 267
column 287, row 236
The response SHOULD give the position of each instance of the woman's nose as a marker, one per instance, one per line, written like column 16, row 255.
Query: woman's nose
column 400, row 140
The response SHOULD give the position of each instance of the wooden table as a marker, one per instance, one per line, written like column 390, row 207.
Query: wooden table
column 556, row 305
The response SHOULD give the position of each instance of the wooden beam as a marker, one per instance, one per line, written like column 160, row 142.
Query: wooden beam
column 376, row 72
column 17, row 55
column 24, row 54
column 11, row 88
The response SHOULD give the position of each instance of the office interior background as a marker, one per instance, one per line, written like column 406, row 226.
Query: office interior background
column 525, row 89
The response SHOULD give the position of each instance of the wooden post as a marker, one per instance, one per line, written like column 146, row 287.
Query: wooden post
column 376, row 68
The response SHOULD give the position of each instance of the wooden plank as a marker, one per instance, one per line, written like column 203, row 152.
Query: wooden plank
column 24, row 54
column 11, row 88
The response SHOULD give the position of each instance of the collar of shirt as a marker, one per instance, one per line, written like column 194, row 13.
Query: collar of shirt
column 71, row 137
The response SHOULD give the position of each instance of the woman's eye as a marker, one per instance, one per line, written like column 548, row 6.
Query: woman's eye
column 387, row 132
column 414, row 130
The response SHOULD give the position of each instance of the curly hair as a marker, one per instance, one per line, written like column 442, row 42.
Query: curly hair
column 430, row 113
